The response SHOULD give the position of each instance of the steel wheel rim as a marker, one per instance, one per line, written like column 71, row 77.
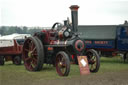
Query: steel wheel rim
column 30, row 55
column 61, row 66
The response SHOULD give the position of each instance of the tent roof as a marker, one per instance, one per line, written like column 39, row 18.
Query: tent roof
column 97, row 31
column 14, row 36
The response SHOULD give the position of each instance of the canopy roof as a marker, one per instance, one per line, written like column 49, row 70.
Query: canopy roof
column 8, row 40
column 97, row 31
column 14, row 36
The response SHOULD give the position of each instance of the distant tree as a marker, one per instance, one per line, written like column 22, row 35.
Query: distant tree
column 7, row 30
column 11, row 30
column 25, row 30
column 18, row 30
column 3, row 30
column 32, row 31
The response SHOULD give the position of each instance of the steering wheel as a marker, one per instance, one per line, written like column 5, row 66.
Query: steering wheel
column 58, row 25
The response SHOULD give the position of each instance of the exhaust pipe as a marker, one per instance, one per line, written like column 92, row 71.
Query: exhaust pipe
column 74, row 14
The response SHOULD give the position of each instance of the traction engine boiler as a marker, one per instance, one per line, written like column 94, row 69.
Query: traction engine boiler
column 58, row 46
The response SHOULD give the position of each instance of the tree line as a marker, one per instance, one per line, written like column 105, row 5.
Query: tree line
column 7, row 30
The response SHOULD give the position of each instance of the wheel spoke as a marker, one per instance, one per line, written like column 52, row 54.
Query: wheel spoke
column 28, row 59
column 63, row 59
column 34, row 63
column 28, row 42
column 29, row 47
column 63, row 70
column 34, row 54
column 34, row 60
column 30, row 66
column 26, row 50
column 92, row 67
column 32, row 45
column 64, row 65
column 60, row 59
column 63, row 62
column 33, row 49
column 93, row 57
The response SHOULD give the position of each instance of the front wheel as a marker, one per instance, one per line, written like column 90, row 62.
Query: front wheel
column 62, row 64
column 93, row 60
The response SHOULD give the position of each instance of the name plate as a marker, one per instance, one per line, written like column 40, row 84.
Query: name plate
column 83, row 65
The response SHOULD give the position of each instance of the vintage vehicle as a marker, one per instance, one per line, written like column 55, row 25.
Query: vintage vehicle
column 11, row 48
column 58, row 46
column 108, row 40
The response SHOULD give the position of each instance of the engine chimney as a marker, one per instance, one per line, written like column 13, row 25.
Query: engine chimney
column 74, row 13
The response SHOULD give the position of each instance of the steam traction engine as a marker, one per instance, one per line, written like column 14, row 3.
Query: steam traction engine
column 58, row 46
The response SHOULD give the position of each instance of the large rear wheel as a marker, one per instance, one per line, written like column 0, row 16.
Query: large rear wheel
column 33, row 54
column 62, row 64
column 93, row 60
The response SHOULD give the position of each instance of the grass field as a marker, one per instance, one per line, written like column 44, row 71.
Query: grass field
column 10, row 73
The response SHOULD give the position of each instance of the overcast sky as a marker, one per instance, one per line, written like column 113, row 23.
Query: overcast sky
column 46, row 12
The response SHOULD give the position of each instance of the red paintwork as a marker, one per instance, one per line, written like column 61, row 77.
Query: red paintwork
column 46, row 36
column 74, row 7
column 77, row 44
column 114, row 51
column 72, row 56
column 49, row 36
column 10, row 51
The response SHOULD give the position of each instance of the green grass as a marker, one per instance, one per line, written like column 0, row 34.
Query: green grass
column 11, row 73
column 48, row 72
column 112, row 64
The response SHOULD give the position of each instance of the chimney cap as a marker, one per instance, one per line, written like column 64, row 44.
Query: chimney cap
column 74, row 7
column 125, row 22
